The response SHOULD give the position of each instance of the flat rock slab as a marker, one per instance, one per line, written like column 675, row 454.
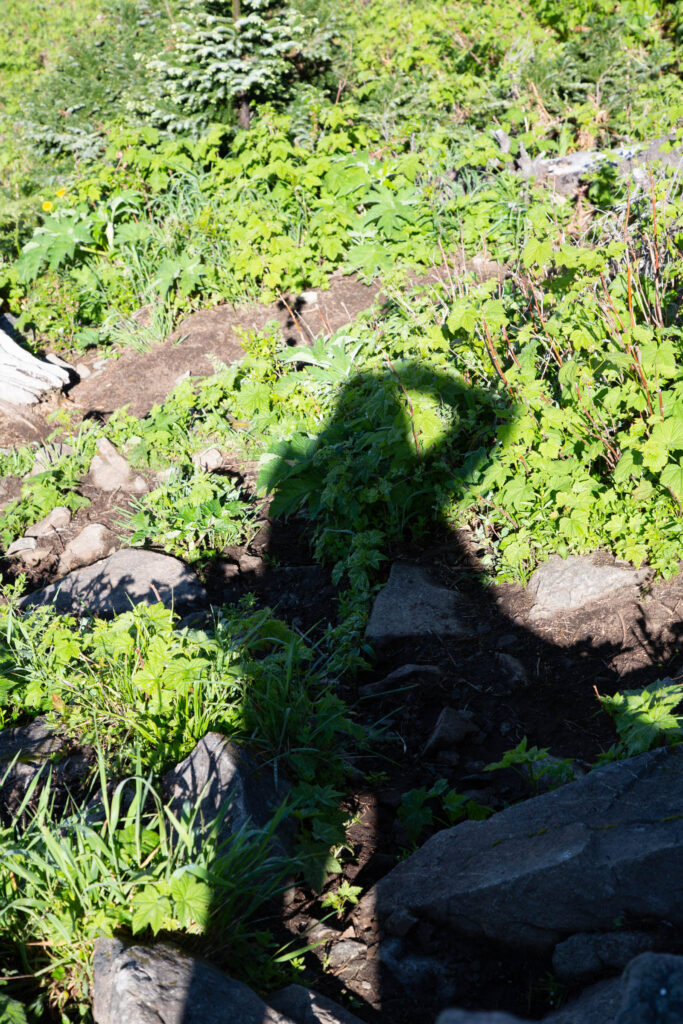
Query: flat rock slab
column 411, row 605
column 117, row 583
column 567, row 585
column 569, row 861
column 160, row 985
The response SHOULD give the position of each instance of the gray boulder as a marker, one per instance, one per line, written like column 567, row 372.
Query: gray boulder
column 410, row 605
column 33, row 742
column 160, row 985
column 124, row 579
column 24, row 754
column 567, row 585
column 568, row 861
column 583, row 956
column 650, row 991
column 223, row 773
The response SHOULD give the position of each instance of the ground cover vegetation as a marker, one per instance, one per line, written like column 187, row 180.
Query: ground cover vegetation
column 181, row 155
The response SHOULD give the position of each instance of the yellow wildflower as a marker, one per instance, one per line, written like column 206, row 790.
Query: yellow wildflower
column 47, row 205
column 61, row 192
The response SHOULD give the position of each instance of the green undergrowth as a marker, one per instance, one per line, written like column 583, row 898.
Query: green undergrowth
column 540, row 411
column 143, row 692
column 394, row 164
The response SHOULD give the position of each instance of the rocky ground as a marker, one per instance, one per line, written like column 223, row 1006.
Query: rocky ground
column 563, row 905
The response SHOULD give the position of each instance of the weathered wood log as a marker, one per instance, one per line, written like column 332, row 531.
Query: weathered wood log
column 24, row 379
column 565, row 173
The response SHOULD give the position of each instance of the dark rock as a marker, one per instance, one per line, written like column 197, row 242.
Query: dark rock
column 652, row 990
column 513, row 670
column 476, row 1017
column 160, row 985
column 451, row 728
column 224, row 774
column 399, row 677
column 307, row 1007
column 416, row 972
column 410, row 605
column 569, row 861
column 124, row 579
column 584, row 956
column 599, row 1004
column 566, row 585
column 24, row 754
column 33, row 742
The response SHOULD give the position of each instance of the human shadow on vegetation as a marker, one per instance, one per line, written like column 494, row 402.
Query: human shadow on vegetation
column 376, row 486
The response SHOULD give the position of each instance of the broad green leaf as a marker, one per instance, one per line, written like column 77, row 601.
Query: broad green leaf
column 192, row 900
column 644, row 718
column 151, row 909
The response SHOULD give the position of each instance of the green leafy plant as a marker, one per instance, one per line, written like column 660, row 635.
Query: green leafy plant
column 194, row 516
column 342, row 898
column 646, row 718
column 422, row 808
column 535, row 765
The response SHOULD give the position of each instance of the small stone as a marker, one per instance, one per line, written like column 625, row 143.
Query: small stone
column 209, row 460
column 94, row 542
column 109, row 471
column 342, row 954
column 399, row 677
column 411, row 605
column 307, row 1007
column 513, row 670
column 250, row 563
column 309, row 298
column 451, row 728
column 58, row 519
column 83, row 371
column 20, row 545
column 164, row 476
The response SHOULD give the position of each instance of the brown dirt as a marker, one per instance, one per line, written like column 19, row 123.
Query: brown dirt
column 140, row 380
